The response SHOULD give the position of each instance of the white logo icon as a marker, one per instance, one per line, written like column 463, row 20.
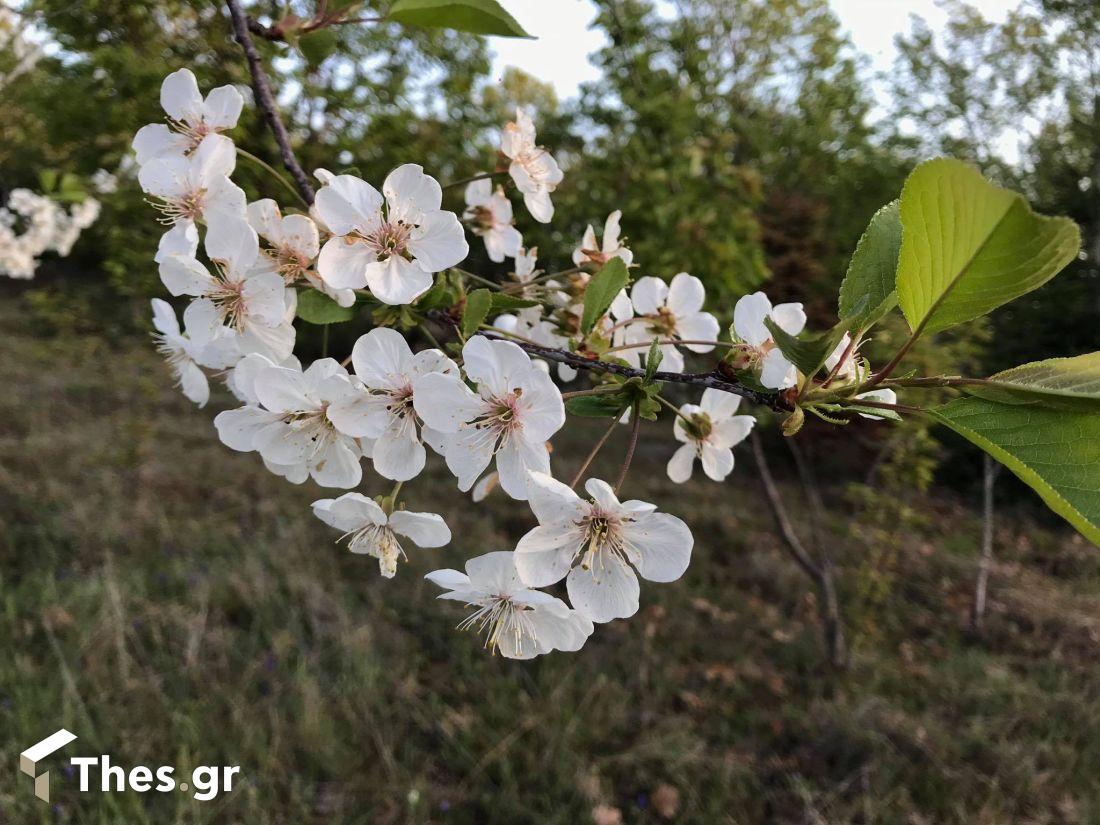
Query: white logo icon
column 29, row 759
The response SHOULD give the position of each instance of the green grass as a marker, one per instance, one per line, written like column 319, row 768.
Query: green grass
column 171, row 602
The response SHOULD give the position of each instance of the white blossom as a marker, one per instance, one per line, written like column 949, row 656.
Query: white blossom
column 198, row 345
column 290, row 428
column 517, row 622
column 672, row 312
column 759, row 352
column 371, row 532
column 597, row 544
column 534, row 170
column 190, row 117
column 489, row 214
column 392, row 251
column 514, row 411
column 590, row 251
column 384, row 410
column 708, row 431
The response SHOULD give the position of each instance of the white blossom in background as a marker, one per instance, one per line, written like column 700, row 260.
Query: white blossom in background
column 290, row 428
column 32, row 225
column 193, row 188
column 383, row 410
column 104, row 182
column 758, row 351
column 251, row 302
column 514, row 412
column 371, row 532
column 672, row 312
column 489, row 214
column 517, row 622
column 190, row 117
column 199, row 345
column 534, row 170
column 597, row 544
column 708, row 431
column 392, row 251
column 21, row 54
column 590, row 251
column 524, row 270
column 293, row 243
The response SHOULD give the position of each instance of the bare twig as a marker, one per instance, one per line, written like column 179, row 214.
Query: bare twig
column 593, row 453
column 266, row 101
column 990, row 468
column 635, row 426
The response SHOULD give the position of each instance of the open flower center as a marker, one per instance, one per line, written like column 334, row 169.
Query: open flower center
column 663, row 322
column 603, row 537
column 498, row 423
column 290, row 263
column 377, row 540
column 390, row 238
column 500, row 618
column 187, row 206
column 193, row 132
column 227, row 295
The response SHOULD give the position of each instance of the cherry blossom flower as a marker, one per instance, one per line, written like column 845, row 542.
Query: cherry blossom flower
column 489, row 214
column 515, row 410
column 708, row 431
column 250, row 301
column 394, row 251
column 591, row 252
column 852, row 369
column 199, row 345
column 525, row 264
column 241, row 380
column 534, row 170
column 517, row 622
column 672, row 312
column 293, row 246
column 383, row 410
column 597, row 544
column 190, row 118
column 192, row 188
column 758, row 351
column 371, row 532
column 290, row 427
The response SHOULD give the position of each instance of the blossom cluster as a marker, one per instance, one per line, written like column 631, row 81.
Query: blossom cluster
column 485, row 407
column 32, row 225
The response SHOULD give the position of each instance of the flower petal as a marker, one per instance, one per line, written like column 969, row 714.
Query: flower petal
column 396, row 281
column 682, row 463
column 425, row 529
column 343, row 263
column 606, row 591
column 659, row 545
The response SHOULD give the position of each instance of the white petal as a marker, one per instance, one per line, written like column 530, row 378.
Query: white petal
column 718, row 404
column 396, row 281
column 468, row 454
column 717, row 462
column 538, row 203
column 409, row 192
column 194, row 384
column 182, row 239
column 545, row 554
column 702, row 326
column 553, row 502
column 237, row 428
column 605, row 592
column 494, row 573
column 382, row 358
column 777, row 373
column 659, row 545
column 164, row 317
column 338, row 467
column 748, row 318
column 444, row 402
column 215, row 157
column 425, row 529
column 790, row 318
column 165, row 177
column 185, row 276
column 157, row 140
column 398, row 454
column 343, row 264
column 180, row 98
column 264, row 216
column 347, row 203
column 283, row 390
column 516, row 460
column 686, row 295
column 349, row 512
column 681, row 464
column 602, row 493
column 439, row 242
column 449, row 579
column 223, row 107
column 729, row 432
column 649, row 295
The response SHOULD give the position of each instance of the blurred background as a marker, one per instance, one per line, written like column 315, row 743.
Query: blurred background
column 171, row 602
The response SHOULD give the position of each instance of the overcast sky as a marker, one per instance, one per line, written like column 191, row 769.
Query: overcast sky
column 560, row 53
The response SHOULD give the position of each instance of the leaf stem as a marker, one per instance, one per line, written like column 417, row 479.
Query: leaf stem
column 592, row 454
column 635, row 427
column 482, row 176
column 274, row 172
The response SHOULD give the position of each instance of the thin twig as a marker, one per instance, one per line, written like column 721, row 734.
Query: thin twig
column 266, row 100
column 635, row 426
column 482, row 176
column 592, row 454
column 790, row 538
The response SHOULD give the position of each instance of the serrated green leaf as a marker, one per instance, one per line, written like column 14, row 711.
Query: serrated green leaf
column 808, row 351
column 1055, row 452
column 1061, row 383
column 872, row 271
column 503, row 302
column 604, row 405
column 318, row 45
column 601, row 291
column 477, row 308
column 653, row 360
column 317, row 308
column 969, row 246
column 474, row 16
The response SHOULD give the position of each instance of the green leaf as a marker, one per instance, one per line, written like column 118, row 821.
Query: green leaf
column 653, row 360
column 604, row 405
column 969, row 246
column 1055, row 452
column 601, row 291
column 317, row 45
column 872, row 271
column 1061, row 383
column 503, row 302
column 478, row 304
column 475, row 16
column 809, row 351
column 317, row 308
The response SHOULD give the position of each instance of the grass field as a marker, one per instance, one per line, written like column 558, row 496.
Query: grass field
column 171, row 602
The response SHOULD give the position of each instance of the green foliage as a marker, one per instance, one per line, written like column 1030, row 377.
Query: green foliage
column 868, row 290
column 601, row 291
column 317, row 46
column 970, row 246
column 1055, row 452
column 1061, row 383
column 808, row 351
column 474, row 16
column 478, row 304
column 317, row 308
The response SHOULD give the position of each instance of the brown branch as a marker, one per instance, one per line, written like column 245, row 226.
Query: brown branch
column 266, row 101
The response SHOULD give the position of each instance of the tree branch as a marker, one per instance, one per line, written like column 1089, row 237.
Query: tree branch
column 266, row 101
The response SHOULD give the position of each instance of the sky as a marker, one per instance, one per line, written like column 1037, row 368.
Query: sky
column 564, row 42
